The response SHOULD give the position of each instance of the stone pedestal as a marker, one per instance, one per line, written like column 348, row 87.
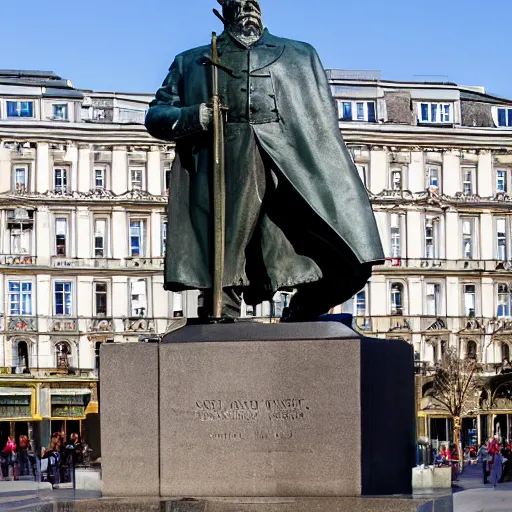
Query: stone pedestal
column 258, row 410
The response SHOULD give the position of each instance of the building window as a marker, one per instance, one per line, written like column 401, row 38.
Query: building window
column 61, row 180
column 501, row 180
column 20, row 223
column 63, row 355
column 360, row 304
column 505, row 351
column 99, row 177
column 138, row 297
column 177, row 305
column 504, row 116
column 432, row 177
column 362, row 170
column 61, row 234
column 20, row 298
column 167, row 179
column 431, row 233
column 137, row 234
column 467, row 181
column 20, row 178
column 63, row 297
column 100, row 298
column 397, row 293
column 60, row 112
column 471, row 349
column 468, row 227
column 440, row 113
column 503, row 309
column 100, row 245
column 396, row 178
column 501, row 239
column 136, row 178
column 23, row 354
column 396, row 251
column 433, row 299
column 20, row 109
column 357, row 111
column 469, row 300
column 164, row 235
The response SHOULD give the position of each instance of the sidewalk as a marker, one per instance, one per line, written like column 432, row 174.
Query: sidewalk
column 471, row 495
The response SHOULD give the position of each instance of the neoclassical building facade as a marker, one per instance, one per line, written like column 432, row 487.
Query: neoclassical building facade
column 436, row 159
column 83, row 191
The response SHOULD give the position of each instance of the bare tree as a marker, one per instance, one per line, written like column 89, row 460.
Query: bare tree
column 453, row 386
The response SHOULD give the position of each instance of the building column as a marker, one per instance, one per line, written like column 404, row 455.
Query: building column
column 119, row 178
column 72, row 158
column 486, row 235
column 154, row 171
column 83, row 227
column 452, row 239
column 416, row 172
column 486, row 178
column 44, row 240
column 119, row 233
column 74, row 233
column 84, row 167
column 451, row 183
column 378, row 172
column 415, row 236
column 43, row 167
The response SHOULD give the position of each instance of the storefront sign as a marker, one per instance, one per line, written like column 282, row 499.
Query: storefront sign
column 15, row 407
column 69, row 406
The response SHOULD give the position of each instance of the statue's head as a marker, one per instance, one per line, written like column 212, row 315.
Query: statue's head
column 242, row 18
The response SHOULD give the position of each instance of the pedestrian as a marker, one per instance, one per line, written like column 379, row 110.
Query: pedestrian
column 9, row 459
column 483, row 457
column 497, row 468
column 23, row 455
column 505, row 454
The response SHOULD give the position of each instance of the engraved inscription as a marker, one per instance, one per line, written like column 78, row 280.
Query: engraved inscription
column 268, row 418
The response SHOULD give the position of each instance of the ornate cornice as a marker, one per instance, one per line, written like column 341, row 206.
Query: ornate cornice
column 95, row 194
column 432, row 197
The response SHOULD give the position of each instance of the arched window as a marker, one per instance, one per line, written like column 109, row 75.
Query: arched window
column 397, row 294
column 471, row 350
column 505, row 351
column 23, row 360
column 63, row 354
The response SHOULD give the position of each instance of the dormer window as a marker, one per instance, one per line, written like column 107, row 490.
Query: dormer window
column 435, row 113
column 20, row 109
column 505, row 117
column 60, row 112
column 357, row 110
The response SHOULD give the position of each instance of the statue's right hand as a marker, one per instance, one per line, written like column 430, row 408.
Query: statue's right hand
column 205, row 115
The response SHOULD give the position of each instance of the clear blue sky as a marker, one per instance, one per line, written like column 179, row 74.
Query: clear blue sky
column 128, row 45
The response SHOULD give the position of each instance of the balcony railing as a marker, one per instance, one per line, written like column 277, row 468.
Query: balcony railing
column 108, row 263
column 446, row 265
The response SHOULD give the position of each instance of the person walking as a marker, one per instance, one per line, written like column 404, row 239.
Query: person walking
column 497, row 468
column 483, row 457
column 23, row 455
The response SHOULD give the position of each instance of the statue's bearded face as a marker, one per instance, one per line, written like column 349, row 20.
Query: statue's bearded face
column 243, row 17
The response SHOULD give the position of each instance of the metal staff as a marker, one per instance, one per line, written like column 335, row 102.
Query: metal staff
column 219, row 185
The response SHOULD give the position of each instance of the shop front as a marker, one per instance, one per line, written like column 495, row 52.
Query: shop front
column 17, row 412
column 69, row 409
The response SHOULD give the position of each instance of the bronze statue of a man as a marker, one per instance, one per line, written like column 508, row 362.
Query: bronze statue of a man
column 297, row 214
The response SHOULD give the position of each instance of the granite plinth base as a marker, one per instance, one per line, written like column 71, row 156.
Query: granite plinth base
column 258, row 410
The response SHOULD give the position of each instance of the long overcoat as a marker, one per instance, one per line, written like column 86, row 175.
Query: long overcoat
column 294, row 121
